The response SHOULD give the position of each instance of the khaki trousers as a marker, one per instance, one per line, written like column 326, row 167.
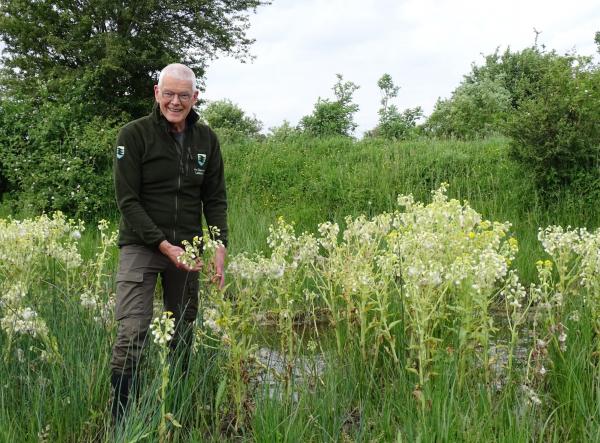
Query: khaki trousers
column 139, row 268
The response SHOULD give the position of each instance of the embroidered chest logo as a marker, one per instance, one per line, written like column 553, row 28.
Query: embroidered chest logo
column 120, row 152
column 201, row 160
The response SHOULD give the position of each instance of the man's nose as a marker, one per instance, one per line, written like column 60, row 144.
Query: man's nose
column 176, row 99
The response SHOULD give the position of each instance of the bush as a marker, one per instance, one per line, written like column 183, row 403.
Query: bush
column 483, row 102
column 230, row 120
column 283, row 132
column 53, row 161
column 475, row 110
column 555, row 133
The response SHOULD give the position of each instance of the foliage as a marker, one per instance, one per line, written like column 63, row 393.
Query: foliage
column 475, row 110
column 487, row 96
column 283, row 132
column 333, row 117
column 229, row 119
column 555, row 132
column 393, row 124
column 386, row 284
column 52, row 162
column 110, row 52
column 399, row 285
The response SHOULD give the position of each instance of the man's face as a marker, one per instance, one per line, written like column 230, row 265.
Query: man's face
column 175, row 98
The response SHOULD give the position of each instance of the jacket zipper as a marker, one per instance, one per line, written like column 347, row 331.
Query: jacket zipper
column 176, row 204
column 179, row 150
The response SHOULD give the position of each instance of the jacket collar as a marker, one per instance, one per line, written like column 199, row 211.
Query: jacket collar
column 191, row 119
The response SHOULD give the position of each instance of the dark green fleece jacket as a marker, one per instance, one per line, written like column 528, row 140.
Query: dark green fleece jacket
column 162, row 188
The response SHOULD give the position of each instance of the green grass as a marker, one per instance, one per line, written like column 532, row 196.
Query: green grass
column 310, row 181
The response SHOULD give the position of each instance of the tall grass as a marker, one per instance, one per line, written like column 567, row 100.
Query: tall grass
column 309, row 181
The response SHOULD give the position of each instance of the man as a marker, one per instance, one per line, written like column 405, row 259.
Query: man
column 168, row 172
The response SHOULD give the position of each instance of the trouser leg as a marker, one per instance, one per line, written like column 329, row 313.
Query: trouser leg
column 136, row 280
column 181, row 297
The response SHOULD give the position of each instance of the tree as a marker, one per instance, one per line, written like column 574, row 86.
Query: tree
column 393, row 124
column 107, row 53
column 333, row 117
column 223, row 115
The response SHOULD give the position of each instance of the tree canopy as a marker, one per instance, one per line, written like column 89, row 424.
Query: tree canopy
column 113, row 49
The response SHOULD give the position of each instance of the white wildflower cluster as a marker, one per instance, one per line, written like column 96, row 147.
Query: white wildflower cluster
column 13, row 296
column 557, row 241
column 28, row 249
column 531, row 398
column 103, row 309
column 27, row 243
column 24, row 321
column 192, row 252
column 448, row 243
column 289, row 248
column 211, row 320
column 513, row 292
column 256, row 268
column 576, row 255
column 107, row 238
column 430, row 253
column 89, row 300
column 329, row 235
column 163, row 328
column 288, row 252
column 208, row 243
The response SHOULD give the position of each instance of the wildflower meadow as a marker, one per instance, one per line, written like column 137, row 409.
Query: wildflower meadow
column 413, row 323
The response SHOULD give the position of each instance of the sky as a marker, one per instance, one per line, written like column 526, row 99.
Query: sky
column 427, row 46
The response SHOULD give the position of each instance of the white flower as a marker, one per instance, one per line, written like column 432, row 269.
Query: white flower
column 163, row 328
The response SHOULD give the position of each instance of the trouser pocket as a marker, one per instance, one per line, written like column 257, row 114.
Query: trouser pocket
column 134, row 295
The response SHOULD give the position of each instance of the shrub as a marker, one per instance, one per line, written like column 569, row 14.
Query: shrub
column 474, row 110
column 556, row 133
column 482, row 103
column 283, row 132
column 53, row 160
column 229, row 119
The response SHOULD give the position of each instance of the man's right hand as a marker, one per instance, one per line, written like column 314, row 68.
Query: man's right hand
column 173, row 252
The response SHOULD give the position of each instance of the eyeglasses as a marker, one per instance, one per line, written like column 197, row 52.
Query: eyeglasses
column 183, row 98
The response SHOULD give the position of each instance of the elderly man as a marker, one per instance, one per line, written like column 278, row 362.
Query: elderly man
column 168, row 172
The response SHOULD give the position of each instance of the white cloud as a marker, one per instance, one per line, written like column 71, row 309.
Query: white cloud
column 425, row 45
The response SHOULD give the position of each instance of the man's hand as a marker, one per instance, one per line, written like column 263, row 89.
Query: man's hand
column 173, row 252
column 218, row 267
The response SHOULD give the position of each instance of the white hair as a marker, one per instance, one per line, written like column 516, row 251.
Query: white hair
column 178, row 71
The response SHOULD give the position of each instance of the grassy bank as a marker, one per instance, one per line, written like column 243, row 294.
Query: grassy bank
column 309, row 181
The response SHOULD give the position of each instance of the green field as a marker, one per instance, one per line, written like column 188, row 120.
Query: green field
column 391, row 330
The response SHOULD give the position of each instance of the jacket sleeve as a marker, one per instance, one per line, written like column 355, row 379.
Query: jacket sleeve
column 127, row 172
column 214, row 196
